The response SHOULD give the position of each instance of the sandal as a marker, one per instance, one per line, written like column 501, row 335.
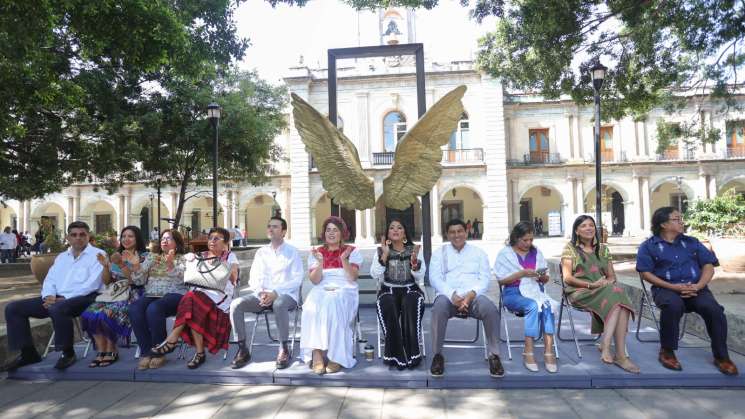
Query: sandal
column 109, row 359
column 164, row 348
column 608, row 361
column 551, row 365
column 626, row 365
column 97, row 361
column 529, row 364
column 197, row 360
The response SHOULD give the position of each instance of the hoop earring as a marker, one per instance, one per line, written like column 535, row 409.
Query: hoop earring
column 405, row 240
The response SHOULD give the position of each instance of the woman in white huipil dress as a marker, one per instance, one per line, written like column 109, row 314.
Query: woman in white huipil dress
column 330, row 309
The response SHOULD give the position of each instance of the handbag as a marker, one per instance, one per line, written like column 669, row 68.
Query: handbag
column 209, row 273
column 114, row 292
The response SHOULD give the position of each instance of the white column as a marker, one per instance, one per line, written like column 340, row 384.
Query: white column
column 127, row 205
column 577, row 128
column 174, row 206
column 76, row 198
column 570, row 136
column 569, row 206
column 300, row 186
column 70, row 210
column 495, row 206
column 712, row 186
column 436, row 214
column 26, row 208
column 363, row 127
column 633, row 215
column 580, row 195
column 120, row 220
column 359, row 221
column 369, row 224
column 515, row 200
column 234, row 208
column 646, row 203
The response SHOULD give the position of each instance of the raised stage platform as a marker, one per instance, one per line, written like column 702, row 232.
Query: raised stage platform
column 464, row 367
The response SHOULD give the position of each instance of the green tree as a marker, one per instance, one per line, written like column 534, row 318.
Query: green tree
column 72, row 71
column 176, row 139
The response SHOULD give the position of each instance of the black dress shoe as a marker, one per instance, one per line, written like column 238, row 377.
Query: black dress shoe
column 65, row 361
column 495, row 367
column 20, row 361
column 438, row 366
column 242, row 357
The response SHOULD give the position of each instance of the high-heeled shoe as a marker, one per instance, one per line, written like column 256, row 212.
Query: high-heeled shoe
column 197, row 360
column 165, row 347
column 529, row 364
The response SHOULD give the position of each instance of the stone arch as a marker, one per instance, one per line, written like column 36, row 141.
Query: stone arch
column 462, row 201
column 197, row 214
column 8, row 217
column 684, row 186
column 736, row 182
column 257, row 209
column 101, row 216
column 666, row 192
column 412, row 218
column 539, row 201
column 613, row 206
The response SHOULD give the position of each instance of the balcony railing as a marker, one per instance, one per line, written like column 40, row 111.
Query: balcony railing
column 383, row 159
column 460, row 155
column 537, row 159
column 669, row 155
column 735, row 152
column 463, row 155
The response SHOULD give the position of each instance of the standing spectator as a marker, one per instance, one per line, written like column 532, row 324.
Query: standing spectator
column 154, row 234
column 27, row 242
column 8, row 244
column 476, row 228
column 19, row 243
column 540, row 226
column 469, row 229
column 237, row 236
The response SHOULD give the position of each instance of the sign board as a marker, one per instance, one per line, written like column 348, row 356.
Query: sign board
column 554, row 223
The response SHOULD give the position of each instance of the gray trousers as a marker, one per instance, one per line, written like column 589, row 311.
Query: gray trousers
column 481, row 308
column 250, row 304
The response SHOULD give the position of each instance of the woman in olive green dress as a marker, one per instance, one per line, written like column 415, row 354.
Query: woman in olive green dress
column 591, row 285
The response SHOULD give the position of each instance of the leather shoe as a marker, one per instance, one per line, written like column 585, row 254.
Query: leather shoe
column 438, row 366
column 283, row 359
column 726, row 366
column 495, row 366
column 65, row 361
column 242, row 357
column 668, row 360
column 20, row 361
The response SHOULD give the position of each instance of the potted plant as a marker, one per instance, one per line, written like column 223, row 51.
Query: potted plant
column 48, row 250
column 722, row 220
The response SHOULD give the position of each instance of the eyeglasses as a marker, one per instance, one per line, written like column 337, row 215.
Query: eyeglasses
column 166, row 240
column 215, row 239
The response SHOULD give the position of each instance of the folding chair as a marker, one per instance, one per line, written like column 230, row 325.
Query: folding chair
column 381, row 343
column 85, row 342
column 274, row 341
column 520, row 342
column 569, row 308
column 462, row 343
column 646, row 301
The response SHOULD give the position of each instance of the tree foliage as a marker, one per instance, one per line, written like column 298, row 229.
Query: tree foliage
column 71, row 73
column 723, row 216
column 176, row 140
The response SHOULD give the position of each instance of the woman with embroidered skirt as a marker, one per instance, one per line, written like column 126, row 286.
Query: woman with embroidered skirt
column 161, row 276
column 521, row 270
column 202, row 317
column 400, row 305
column 330, row 309
column 590, row 283
column 106, row 321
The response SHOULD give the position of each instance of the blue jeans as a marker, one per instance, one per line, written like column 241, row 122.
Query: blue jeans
column 516, row 303
column 148, row 316
column 8, row 255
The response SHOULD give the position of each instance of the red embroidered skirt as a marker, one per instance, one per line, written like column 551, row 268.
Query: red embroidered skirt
column 198, row 312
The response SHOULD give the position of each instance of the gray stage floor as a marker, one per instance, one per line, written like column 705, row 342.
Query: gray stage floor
column 465, row 366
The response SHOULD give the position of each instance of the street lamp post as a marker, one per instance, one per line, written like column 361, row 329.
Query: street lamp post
column 158, row 182
column 213, row 113
column 598, row 76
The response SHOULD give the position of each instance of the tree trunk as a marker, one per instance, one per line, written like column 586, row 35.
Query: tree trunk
column 181, row 198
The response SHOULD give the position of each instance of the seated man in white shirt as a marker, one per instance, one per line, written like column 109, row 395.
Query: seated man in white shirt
column 69, row 288
column 276, row 275
column 460, row 274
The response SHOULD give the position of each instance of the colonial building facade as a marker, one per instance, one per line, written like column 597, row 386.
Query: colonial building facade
column 512, row 157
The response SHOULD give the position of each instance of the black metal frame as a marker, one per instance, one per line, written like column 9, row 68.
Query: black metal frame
column 569, row 308
column 417, row 50
column 519, row 343
column 646, row 301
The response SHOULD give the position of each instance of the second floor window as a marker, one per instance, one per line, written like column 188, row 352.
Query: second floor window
column 606, row 143
column 538, row 139
column 394, row 128
column 460, row 138
column 736, row 135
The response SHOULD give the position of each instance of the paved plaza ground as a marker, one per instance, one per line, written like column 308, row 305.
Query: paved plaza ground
column 92, row 399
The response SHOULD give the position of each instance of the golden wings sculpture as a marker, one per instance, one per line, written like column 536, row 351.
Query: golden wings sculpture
column 416, row 164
